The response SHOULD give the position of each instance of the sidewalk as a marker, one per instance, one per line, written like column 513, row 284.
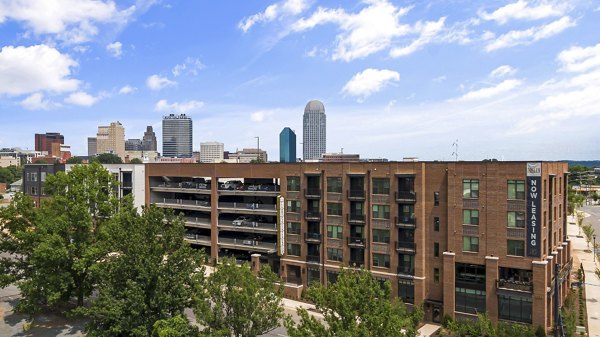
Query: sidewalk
column 592, row 283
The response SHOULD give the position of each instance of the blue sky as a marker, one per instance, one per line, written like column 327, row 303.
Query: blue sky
column 512, row 80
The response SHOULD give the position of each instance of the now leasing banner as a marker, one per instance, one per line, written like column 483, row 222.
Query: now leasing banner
column 534, row 200
column 280, row 225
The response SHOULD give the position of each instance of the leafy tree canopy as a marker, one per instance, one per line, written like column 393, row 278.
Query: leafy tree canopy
column 136, row 161
column 74, row 160
column 10, row 174
column 108, row 158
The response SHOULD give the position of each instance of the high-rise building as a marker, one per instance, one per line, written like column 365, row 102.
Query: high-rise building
column 211, row 152
column 314, row 131
column 287, row 146
column 92, row 146
column 133, row 145
column 44, row 141
column 111, row 139
column 149, row 141
column 177, row 136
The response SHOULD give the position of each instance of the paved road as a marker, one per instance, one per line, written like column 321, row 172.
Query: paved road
column 593, row 219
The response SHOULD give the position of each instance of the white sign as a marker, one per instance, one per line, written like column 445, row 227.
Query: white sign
column 281, row 225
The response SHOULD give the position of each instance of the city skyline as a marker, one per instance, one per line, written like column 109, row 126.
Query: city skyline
column 512, row 80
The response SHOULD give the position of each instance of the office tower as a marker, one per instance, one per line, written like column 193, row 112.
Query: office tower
column 177, row 136
column 287, row 146
column 111, row 139
column 133, row 145
column 92, row 146
column 248, row 156
column 211, row 152
column 149, row 141
column 44, row 141
column 314, row 131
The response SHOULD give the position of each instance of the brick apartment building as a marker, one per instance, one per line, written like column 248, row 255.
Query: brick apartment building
column 460, row 237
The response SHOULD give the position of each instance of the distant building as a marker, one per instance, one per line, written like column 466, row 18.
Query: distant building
column 287, row 146
column 247, row 155
column 196, row 156
column 111, row 139
column 17, row 156
column 177, row 136
column 45, row 141
column 149, row 141
column 314, row 135
column 340, row 157
column 92, row 146
column 34, row 179
column 144, row 156
column 133, row 145
column 211, row 152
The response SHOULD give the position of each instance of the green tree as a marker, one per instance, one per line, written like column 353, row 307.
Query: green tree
column 10, row 174
column 588, row 231
column 579, row 216
column 108, row 158
column 150, row 274
column 177, row 326
column 236, row 302
column 355, row 305
column 136, row 161
column 75, row 160
column 53, row 250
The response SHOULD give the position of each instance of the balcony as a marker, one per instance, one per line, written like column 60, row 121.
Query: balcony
column 312, row 237
column 514, row 285
column 356, row 241
column 404, row 221
column 406, row 270
column 406, row 247
column 203, row 240
column 406, row 196
column 183, row 204
column 250, row 244
column 312, row 193
column 250, row 208
column 356, row 263
column 356, row 218
column 356, row 194
column 182, row 187
column 313, row 258
column 312, row 215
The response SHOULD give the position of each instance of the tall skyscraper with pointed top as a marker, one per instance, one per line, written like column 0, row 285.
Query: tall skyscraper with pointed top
column 314, row 135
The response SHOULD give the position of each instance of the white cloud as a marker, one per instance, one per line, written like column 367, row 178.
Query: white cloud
column 502, row 71
column 82, row 99
column 72, row 21
column 370, row 81
column 440, row 79
column 484, row 93
column 191, row 66
column 178, row 107
column 528, row 36
column 577, row 59
column 525, row 10
column 36, row 101
column 115, row 49
column 25, row 70
column 156, row 82
column 257, row 116
column 428, row 31
column 274, row 11
column 127, row 89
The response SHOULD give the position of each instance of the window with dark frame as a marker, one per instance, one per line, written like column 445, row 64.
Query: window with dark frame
column 293, row 183
column 334, row 232
column 470, row 244
column 334, row 184
column 470, row 188
column 436, row 224
column 293, row 227
column 515, row 220
column 516, row 190
column 470, row 217
column 293, row 249
column 381, row 186
column 436, row 198
column 381, row 235
column 436, row 249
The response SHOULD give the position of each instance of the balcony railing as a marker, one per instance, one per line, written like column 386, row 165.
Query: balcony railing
column 406, row 270
column 185, row 185
column 248, row 206
column 199, row 203
column 356, row 218
column 356, row 194
column 406, row 246
column 313, row 258
column 404, row 221
column 312, row 193
column 410, row 196
column 249, row 242
column 514, row 285
column 312, row 215
column 356, row 263
column 195, row 238
column 356, row 241
column 312, row 237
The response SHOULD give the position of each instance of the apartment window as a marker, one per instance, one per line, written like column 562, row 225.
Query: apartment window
column 406, row 291
column 436, row 249
column 334, row 208
column 293, row 227
column 516, row 189
column 515, row 247
column 381, row 235
column 43, row 177
column 34, row 176
column 334, row 254
column 381, row 186
column 436, row 198
column 314, row 275
column 334, row 232
column 406, row 264
column 470, row 244
column 33, row 190
column 470, row 217
column 332, row 276
column 515, row 308
column 293, row 206
column 293, row 184
column 436, row 275
column 516, row 219
column 293, row 249
column 334, row 184
column 471, row 301
column 436, row 224
column 471, row 188
column 381, row 260
column 381, row 211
